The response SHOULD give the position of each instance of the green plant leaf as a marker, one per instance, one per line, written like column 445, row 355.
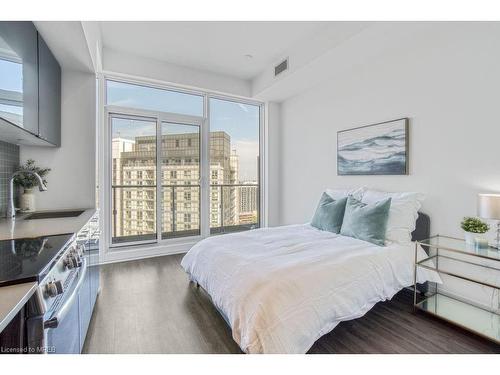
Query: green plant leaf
column 28, row 180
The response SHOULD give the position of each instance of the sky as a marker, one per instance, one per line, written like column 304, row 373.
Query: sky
column 240, row 121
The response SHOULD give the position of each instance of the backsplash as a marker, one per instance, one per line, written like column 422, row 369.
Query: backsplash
column 9, row 161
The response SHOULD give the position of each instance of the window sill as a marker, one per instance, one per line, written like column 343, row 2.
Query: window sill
column 135, row 252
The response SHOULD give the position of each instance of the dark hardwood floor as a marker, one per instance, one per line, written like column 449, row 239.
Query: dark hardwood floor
column 148, row 306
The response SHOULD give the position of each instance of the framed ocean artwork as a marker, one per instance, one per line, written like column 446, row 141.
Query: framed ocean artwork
column 377, row 149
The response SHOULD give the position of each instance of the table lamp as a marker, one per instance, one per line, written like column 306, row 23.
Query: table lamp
column 488, row 207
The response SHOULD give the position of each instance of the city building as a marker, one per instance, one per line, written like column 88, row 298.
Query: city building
column 134, row 186
column 248, row 203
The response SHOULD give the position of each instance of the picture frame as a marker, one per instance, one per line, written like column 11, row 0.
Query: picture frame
column 376, row 149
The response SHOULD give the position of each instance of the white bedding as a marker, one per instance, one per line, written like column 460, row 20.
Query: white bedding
column 283, row 288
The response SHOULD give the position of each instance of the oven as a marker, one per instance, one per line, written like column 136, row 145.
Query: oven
column 53, row 317
column 62, row 326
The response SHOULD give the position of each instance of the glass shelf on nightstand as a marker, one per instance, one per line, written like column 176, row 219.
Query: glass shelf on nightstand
column 453, row 257
column 459, row 246
column 468, row 316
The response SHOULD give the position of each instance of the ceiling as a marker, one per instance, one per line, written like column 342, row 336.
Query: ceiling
column 219, row 47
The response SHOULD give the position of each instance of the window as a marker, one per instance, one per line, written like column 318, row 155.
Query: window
column 234, row 165
column 185, row 192
column 128, row 138
column 154, row 99
column 147, row 209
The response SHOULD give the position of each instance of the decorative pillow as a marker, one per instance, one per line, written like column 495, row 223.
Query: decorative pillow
column 329, row 214
column 367, row 222
column 343, row 193
column 402, row 215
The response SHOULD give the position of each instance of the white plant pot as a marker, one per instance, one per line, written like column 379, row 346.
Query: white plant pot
column 471, row 238
column 27, row 201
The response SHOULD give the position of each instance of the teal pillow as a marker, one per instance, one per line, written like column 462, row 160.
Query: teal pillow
column 329, row 214
column 367, row 222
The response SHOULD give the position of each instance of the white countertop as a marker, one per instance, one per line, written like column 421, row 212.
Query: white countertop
column 13, row 298
column 19, row 228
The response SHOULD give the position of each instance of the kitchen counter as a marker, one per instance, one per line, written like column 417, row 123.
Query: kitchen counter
column 20, row 228
column 13, row 298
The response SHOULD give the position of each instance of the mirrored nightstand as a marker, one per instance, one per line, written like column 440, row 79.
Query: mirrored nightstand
column 479, row 272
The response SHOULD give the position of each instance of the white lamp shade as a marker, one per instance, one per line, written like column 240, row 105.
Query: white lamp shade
column 488, row 206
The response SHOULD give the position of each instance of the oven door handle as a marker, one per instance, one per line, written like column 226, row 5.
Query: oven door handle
column 58, row 317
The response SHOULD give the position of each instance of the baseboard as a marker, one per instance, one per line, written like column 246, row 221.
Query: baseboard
column 125, row 254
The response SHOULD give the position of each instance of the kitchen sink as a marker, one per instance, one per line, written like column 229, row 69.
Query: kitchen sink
column 53, row 214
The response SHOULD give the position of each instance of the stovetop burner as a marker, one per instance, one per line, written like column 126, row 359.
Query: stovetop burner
column 29, row 259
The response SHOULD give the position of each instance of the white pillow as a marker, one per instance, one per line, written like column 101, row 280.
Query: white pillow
column 402, row 215
column 342, row 193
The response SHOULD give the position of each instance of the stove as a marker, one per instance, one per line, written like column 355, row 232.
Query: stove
column 58, row 264
column 31, row 259
column 66, row 268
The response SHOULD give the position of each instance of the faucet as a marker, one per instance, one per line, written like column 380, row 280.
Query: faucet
column 11, row 213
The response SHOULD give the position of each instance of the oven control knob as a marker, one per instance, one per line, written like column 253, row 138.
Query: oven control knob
column 80, row 249
column 69, row 262
column 72, row 260
column 79, row 260
column 54, row 288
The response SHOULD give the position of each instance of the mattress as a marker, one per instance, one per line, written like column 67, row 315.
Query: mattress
column 282, row 288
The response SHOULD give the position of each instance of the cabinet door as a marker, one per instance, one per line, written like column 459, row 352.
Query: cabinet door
column 19, row 74
column 49, row 95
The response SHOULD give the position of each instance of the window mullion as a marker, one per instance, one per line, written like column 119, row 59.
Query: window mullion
column 159, row 181
column 205, row 171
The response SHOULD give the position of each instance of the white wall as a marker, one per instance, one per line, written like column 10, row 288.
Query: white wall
column 446, row 83
column 119, row 62
column 71, row 183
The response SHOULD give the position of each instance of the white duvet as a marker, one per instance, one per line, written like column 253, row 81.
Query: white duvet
column 282, row 288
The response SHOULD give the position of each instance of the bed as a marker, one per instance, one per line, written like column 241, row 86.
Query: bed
column 282, row 288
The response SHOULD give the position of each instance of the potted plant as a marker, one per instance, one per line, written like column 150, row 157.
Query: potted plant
column 27, row 182
column 472, row 226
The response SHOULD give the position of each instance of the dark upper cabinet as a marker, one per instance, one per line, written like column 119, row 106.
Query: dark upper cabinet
column 19, row 74
column 49, row 95
column 30, row 87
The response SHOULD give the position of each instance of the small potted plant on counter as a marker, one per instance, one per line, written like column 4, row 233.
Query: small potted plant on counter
column 27, row 182
column 473, row 228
